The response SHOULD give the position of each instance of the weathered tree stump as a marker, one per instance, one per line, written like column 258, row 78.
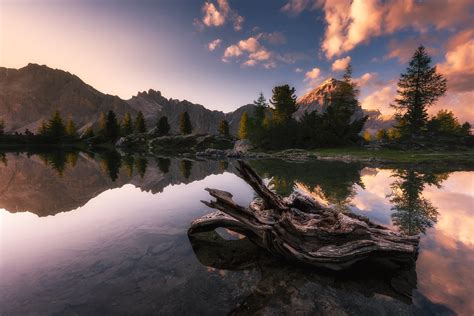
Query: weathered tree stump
column 301, row 229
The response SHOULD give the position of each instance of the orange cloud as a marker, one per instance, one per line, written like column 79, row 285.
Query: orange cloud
column 341, row 64
column 214, row 16
column 380, row 99
column 214, row 44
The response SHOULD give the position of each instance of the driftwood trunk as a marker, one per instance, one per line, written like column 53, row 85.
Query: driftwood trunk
column 301, row 229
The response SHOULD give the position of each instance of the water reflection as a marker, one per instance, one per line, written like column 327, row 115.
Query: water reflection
column 122, row 248
column 413, row 213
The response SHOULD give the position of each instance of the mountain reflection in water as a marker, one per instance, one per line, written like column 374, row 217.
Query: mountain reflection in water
column 111, row 238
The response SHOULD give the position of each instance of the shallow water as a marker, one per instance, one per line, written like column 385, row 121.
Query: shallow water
column 108, row 235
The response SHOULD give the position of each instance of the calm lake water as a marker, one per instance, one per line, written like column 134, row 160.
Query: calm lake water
column 104, row 234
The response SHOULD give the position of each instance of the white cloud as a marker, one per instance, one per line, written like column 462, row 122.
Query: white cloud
column 231, row 51
column 298, row 70
column 214, row 44
column 341, row 64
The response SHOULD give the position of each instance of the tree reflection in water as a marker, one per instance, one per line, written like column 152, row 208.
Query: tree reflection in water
column 185, row 167
column 163, row 164
column 413, row 213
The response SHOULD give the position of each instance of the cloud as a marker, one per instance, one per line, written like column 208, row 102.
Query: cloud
column 261, row 54
column 295, row 7
column 250, row 44
column 351, row 23
column 461, row 103
column 214, row 44
column 298, row 70
column 214, row 16
column 365, row 79
column 274, row 38
column 341, row 64
column 231, row 51
column 403, row 49
column 458, row 66
column 249, row 63
column 380, row 99
column 313, row 77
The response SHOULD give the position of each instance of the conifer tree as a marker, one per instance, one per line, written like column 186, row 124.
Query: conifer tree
column 140, row 126
column 71, row 130
column 163, row 127
column 224, row 128
column 102, row 122
column 56, row 127
column 43, row 128
column 127, row 124
column 259, row 112
column 112, row 128
column 2, row 127
column 244, row 126
column 185, row 126
column 418, row 88
column 89, row 132
column 284, row 102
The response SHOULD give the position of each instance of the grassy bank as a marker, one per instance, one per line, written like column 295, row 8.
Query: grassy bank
column 399, row 156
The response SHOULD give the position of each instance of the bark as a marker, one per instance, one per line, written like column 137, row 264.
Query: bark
column 298, row 228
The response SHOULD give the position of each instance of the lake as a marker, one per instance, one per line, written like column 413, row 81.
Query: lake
column 103, row 233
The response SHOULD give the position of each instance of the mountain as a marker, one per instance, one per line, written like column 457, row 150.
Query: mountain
column 31, row 94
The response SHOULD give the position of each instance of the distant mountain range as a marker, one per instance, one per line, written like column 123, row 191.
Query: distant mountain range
column 31, row 94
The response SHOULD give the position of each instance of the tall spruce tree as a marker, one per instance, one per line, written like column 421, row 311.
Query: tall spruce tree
column 162, row 127
column 418, row 88
column 259, row 112
column 112, row 128
column 224, row 128
column 127, row 124
column 71, row 129
column 56, row 127
column 140, row 126
column 284, row 102
column 244, row 126
column 185, row 126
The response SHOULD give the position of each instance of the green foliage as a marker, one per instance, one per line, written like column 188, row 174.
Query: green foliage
column 224, row 128
column 284, row 104
column 140, row 126
column 112, row 128
column 163, row 127
column 382, row 135
column 127, row 124
column 185, row 126
column 259, row 112
column 71, row 129
column 418, row 88
column 444, row 123
column 55, row 127
column 89, row 133
column 244, row 126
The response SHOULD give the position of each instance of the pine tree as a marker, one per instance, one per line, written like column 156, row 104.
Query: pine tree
column 259, row 112
column 127, row 124
column 243, row 126
column 224, row 128
column 163, row 127
column 418, row 89
column 2, row 127
column 89, row 133
column 43, row 128
column 56, row 127
column 185, row 126
column 140, row 126
column 112, row 128
column 71, row 130
column 102, row 122
column 284, row 102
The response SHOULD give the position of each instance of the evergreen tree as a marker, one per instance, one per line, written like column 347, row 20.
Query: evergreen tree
column 418, row 89
column 284, row 103
column 56, row 127
column 244, row 126
column 102, row 122
column 140, row 126
column 259, row 112
column 163, row 127
column 127, row 124
column 185, row 126
column 112, row 128
column 224, row 128
column 2, row 127
column 89, row 133
column 71, row 129
column 446, row 124
column 43, row 128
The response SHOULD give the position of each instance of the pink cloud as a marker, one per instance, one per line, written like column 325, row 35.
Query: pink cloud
column 341, row 64
column 214, row 44
column 214, row 16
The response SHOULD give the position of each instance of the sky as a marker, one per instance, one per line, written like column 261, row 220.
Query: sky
column 222, row 53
